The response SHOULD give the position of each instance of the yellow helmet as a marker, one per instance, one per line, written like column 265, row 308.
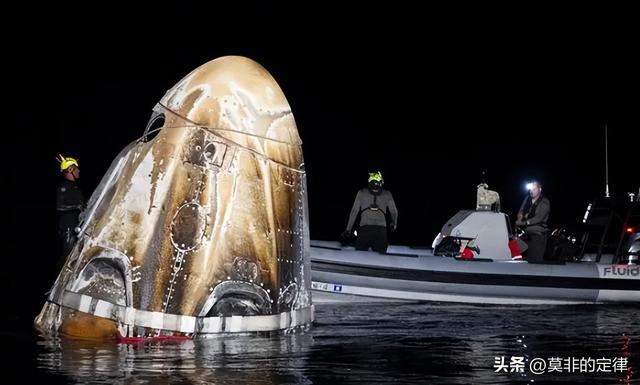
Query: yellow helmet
column 375, row 176
column 66, row 162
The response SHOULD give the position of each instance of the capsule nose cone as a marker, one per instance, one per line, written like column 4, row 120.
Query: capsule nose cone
column 239, row 100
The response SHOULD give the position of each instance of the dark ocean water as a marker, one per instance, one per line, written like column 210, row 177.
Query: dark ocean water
column 375, row 343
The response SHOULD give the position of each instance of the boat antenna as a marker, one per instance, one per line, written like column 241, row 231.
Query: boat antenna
column 606, row 162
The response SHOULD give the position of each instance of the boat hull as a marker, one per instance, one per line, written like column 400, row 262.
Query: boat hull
column 413, row 274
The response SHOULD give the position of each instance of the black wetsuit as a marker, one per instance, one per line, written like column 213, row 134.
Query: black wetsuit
column 69, row 204
column 535, row 216
column 373, row 205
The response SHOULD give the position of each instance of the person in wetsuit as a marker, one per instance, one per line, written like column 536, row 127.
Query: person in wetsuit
column 532, row 219
column 372, row 203
column 69, row 203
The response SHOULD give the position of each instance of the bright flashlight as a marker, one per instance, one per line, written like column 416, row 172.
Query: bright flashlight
column 529, row 186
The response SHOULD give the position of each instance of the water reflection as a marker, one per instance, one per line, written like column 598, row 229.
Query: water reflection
column 373, row 344
column 242, row 360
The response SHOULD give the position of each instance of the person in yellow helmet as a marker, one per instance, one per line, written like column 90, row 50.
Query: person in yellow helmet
column 372, row 203
column 69, row 202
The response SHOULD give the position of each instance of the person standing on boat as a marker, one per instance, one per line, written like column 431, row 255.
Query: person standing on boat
column 372, row 203
column 532, row 219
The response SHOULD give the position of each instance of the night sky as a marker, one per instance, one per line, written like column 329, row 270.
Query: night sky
column 429, row 100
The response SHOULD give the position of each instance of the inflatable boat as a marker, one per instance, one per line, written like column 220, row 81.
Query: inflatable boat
column 490, row 276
